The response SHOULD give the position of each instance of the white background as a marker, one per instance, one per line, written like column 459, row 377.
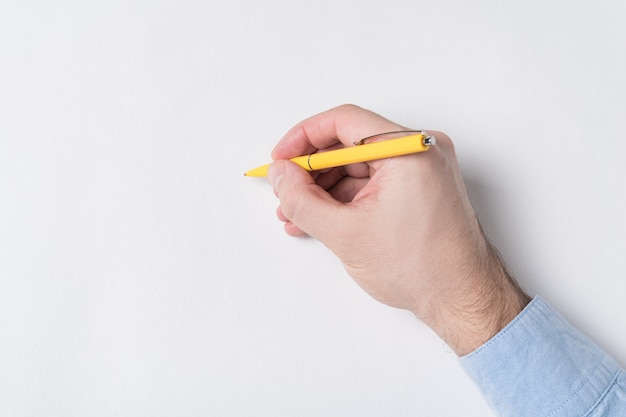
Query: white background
column 142, row 274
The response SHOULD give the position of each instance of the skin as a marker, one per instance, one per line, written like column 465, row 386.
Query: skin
column 403, row 227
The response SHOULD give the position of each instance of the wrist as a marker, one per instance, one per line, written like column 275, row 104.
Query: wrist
column 467, row 326
column 479, row 305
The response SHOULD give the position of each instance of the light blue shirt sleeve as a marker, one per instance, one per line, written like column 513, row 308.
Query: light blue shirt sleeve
column 541, row 366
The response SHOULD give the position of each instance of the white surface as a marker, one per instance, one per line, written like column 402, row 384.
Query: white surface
column 142, row 274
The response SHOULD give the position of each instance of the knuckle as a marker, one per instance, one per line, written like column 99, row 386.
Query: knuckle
column 347, row 108
column 294, row 203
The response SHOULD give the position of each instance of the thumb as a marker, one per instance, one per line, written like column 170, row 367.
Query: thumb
column 304, row 203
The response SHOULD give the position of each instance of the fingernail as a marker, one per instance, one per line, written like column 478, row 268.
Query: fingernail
column 275, row 174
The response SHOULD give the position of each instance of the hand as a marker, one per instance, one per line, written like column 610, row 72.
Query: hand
column 403, row 227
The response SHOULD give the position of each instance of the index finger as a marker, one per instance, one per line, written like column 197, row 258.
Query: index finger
column 345, row 125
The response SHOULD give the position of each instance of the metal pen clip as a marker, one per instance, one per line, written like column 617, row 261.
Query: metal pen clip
column 429, row 140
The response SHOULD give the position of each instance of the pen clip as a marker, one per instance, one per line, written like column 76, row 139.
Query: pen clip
column 429, row 140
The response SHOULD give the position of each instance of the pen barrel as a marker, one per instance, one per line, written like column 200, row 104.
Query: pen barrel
column 355, row 154
column 363, row 153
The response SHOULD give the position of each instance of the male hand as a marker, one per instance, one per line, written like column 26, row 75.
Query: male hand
column 403, row 227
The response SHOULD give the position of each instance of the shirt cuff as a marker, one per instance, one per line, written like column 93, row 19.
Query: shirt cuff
column 540, row 365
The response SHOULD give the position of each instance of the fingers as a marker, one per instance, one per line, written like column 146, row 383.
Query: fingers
column 329, row 179
column 304, row 206
column 347, row 188
column 341, row 183
column 342, row 125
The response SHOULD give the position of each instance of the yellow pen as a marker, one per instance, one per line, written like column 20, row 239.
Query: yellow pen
column 361, row 153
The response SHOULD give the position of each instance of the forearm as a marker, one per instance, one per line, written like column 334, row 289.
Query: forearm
column 482, row 302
